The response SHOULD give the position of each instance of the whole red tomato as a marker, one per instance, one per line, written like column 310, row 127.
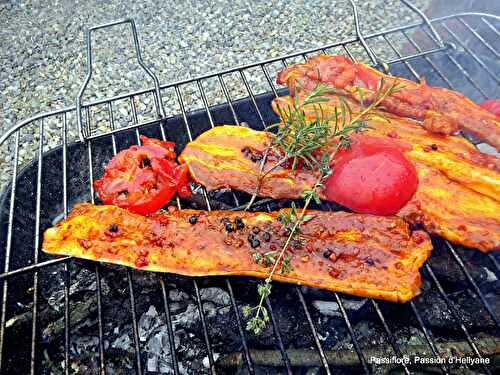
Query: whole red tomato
column 492, row 105
column 373, row 176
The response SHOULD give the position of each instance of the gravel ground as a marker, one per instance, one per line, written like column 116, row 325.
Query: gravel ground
column 42, row 53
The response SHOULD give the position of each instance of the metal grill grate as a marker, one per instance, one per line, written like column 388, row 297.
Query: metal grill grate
column 419, row 47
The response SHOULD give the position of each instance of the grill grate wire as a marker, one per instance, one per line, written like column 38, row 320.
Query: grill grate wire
column 65, row 262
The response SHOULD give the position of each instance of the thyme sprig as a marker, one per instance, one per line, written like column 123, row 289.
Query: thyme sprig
column 300, row 140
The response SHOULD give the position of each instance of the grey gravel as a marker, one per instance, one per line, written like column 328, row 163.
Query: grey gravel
column 43, row 61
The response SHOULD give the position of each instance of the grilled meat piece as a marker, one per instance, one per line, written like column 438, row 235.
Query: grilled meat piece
column 363, row 255
column 442, row 111
column 454, row 156
column 222, row 158
column 456, row 213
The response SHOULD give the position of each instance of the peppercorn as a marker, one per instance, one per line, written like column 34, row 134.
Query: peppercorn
column 145, row 163
column 369, row 261
column 296, row 244
column 251, row 237
column 239, row 223
column 434, row 146
column 255, row 230
column 113, row 228
column 193, row 219
column 327, row 253
column 229, row 227
column 255, row 243
column 266, row 236
column 255, row 158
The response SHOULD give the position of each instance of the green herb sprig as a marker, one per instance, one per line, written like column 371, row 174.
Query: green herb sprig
column 300, row 139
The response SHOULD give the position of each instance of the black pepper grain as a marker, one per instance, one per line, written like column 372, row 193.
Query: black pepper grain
column 255, row 243
column 255, row 230
column 296, row 244
column 434, row 146
column 327, row 253
column 113, row 228
column 266, row 236
column 255, row 158
column 229, row 227
column 193, row 219
column 239, row 223
column 251, row 237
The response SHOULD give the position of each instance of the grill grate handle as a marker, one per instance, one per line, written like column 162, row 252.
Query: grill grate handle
column 84, row 129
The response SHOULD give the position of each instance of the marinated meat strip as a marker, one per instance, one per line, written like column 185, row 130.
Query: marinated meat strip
column 454, row 156
column 229, row 157
column 441, row 110
column 363, row 255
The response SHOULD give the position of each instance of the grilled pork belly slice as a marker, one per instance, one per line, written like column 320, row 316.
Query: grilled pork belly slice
column 454, row 156
column 441, row 110
column 229, row 157
column 362, row 255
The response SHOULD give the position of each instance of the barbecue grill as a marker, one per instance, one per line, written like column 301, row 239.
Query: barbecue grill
column 62, row 315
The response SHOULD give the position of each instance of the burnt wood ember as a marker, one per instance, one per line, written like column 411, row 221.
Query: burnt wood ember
column 201, row 331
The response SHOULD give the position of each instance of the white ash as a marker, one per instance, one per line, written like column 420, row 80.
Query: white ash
column 206, row 361
column 490, row 276
column 85, row 281
column 187, row 319
column 124, row 341
column 148, row 322
column 331, row 308
column 154, row 331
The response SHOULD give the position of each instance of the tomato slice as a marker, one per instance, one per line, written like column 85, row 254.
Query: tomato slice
column 373, row 176
column 492, row 105
column 143, row 178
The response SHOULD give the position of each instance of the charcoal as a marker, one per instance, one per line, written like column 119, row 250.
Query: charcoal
column 216, row 295
column 188, row 319
column 469, row 310
column 124, row 340
column 148, row 322
column 158, row 351
column 177, row 307
column 453, row 278
column 177, row 295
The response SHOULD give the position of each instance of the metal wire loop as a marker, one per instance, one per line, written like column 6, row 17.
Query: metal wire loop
column 373, row 57
column 435, row 35
column 84, row 131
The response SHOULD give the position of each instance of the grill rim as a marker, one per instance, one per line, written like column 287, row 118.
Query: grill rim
column 5, row 276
